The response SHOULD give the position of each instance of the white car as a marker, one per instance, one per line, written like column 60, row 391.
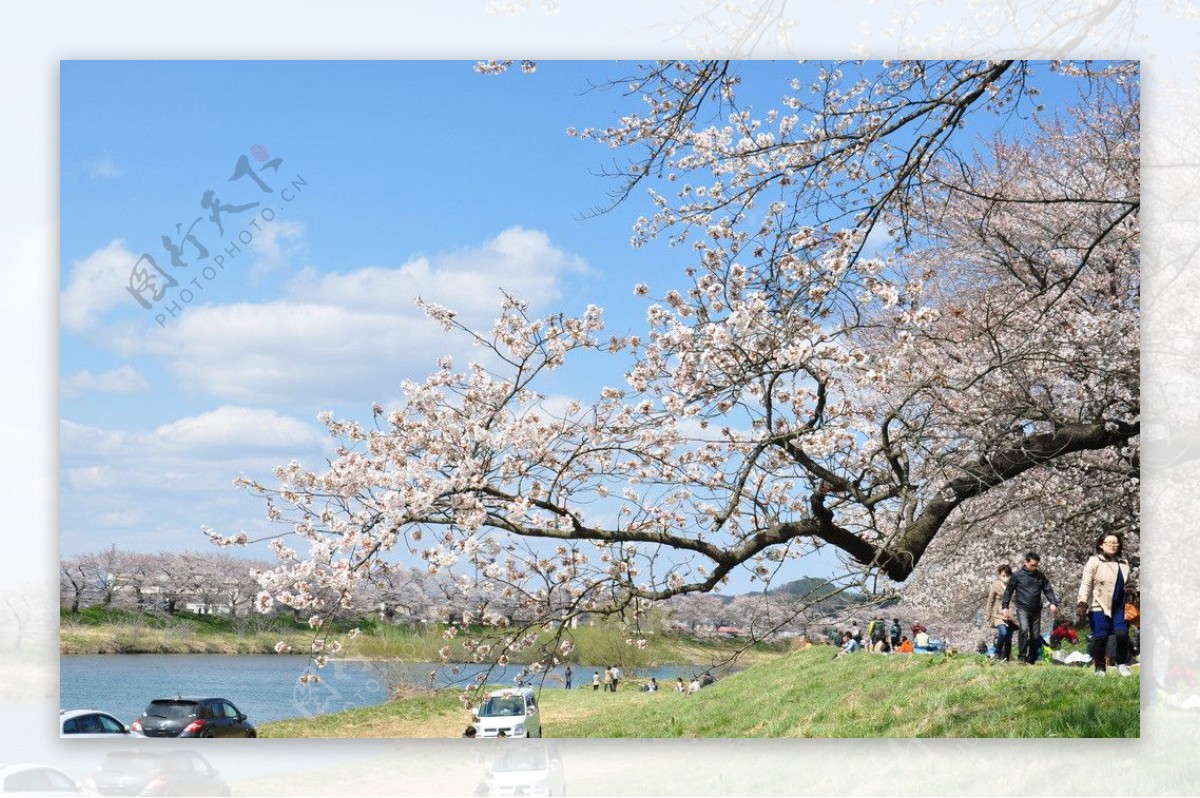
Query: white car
column 513, row 712
column 38, row 779
column 76, row 723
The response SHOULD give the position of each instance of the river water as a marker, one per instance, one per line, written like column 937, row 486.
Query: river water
column 266, row 687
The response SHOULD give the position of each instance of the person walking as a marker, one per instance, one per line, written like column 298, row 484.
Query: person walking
column 993, row 614
column 616, row 677
column 595, row 681
column 1102, row 594
column 567, row 678
column 1025, row 589
column 608, row 679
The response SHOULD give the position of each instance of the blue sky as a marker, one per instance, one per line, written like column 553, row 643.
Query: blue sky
column 405, row 178
column 395, row 179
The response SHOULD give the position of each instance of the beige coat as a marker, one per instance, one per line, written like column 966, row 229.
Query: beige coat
column 993, row 613
column 1099, row 581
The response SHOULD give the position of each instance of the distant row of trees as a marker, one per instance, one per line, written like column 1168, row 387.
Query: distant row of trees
column 218, row 583
column 166, row 581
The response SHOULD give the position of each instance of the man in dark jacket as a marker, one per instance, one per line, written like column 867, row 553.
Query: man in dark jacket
column 1025, row 589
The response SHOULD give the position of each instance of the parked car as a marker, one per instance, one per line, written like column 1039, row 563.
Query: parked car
column 151, row 773
column 193, row 717
column 78, row 723
column 513, row 711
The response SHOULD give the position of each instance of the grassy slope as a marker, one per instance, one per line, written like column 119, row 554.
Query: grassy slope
column 805, row 694
column 809, row 694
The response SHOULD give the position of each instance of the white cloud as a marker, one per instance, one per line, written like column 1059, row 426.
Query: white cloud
column 232, row 428
column 522, row 262
column 97, row 283
column 354, row 336
column 125, row 379
column 285, row 352
column 73, row 437
column 90, row 477
column 120, row 518
column 155, row 488
column 226, row 433
column 275, row 246
column 103, row 167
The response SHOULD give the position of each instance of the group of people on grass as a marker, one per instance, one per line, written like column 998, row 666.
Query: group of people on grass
column 1014, row 609
column 703, row 680
column 610, row 680
column 1014, row 604
column 612, row 677
column 882, row 637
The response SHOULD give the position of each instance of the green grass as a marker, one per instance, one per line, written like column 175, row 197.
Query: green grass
column 803, row 694
column 434, row 715
column 96, row 630
column 809, row 694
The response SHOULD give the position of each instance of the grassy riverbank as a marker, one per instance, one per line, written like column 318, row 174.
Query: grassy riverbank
column 98, row 631
column 803, row 694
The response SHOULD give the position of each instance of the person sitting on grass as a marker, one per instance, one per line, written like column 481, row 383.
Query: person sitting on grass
column 906, row 646
column 849, row 645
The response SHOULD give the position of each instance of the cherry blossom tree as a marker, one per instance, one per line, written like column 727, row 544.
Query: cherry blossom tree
column 138, row 571
column 74, row 583
column 887, row 331
column 1046, row 234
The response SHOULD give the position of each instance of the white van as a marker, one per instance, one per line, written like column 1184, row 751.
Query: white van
column 513, row 711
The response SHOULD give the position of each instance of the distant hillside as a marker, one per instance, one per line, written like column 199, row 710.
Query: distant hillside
column 813, row 589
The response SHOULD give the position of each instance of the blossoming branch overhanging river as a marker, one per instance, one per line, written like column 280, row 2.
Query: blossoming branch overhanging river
column 266, row 687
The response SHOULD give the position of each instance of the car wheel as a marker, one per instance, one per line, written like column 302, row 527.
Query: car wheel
column 252, row 733
column 206, row 735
